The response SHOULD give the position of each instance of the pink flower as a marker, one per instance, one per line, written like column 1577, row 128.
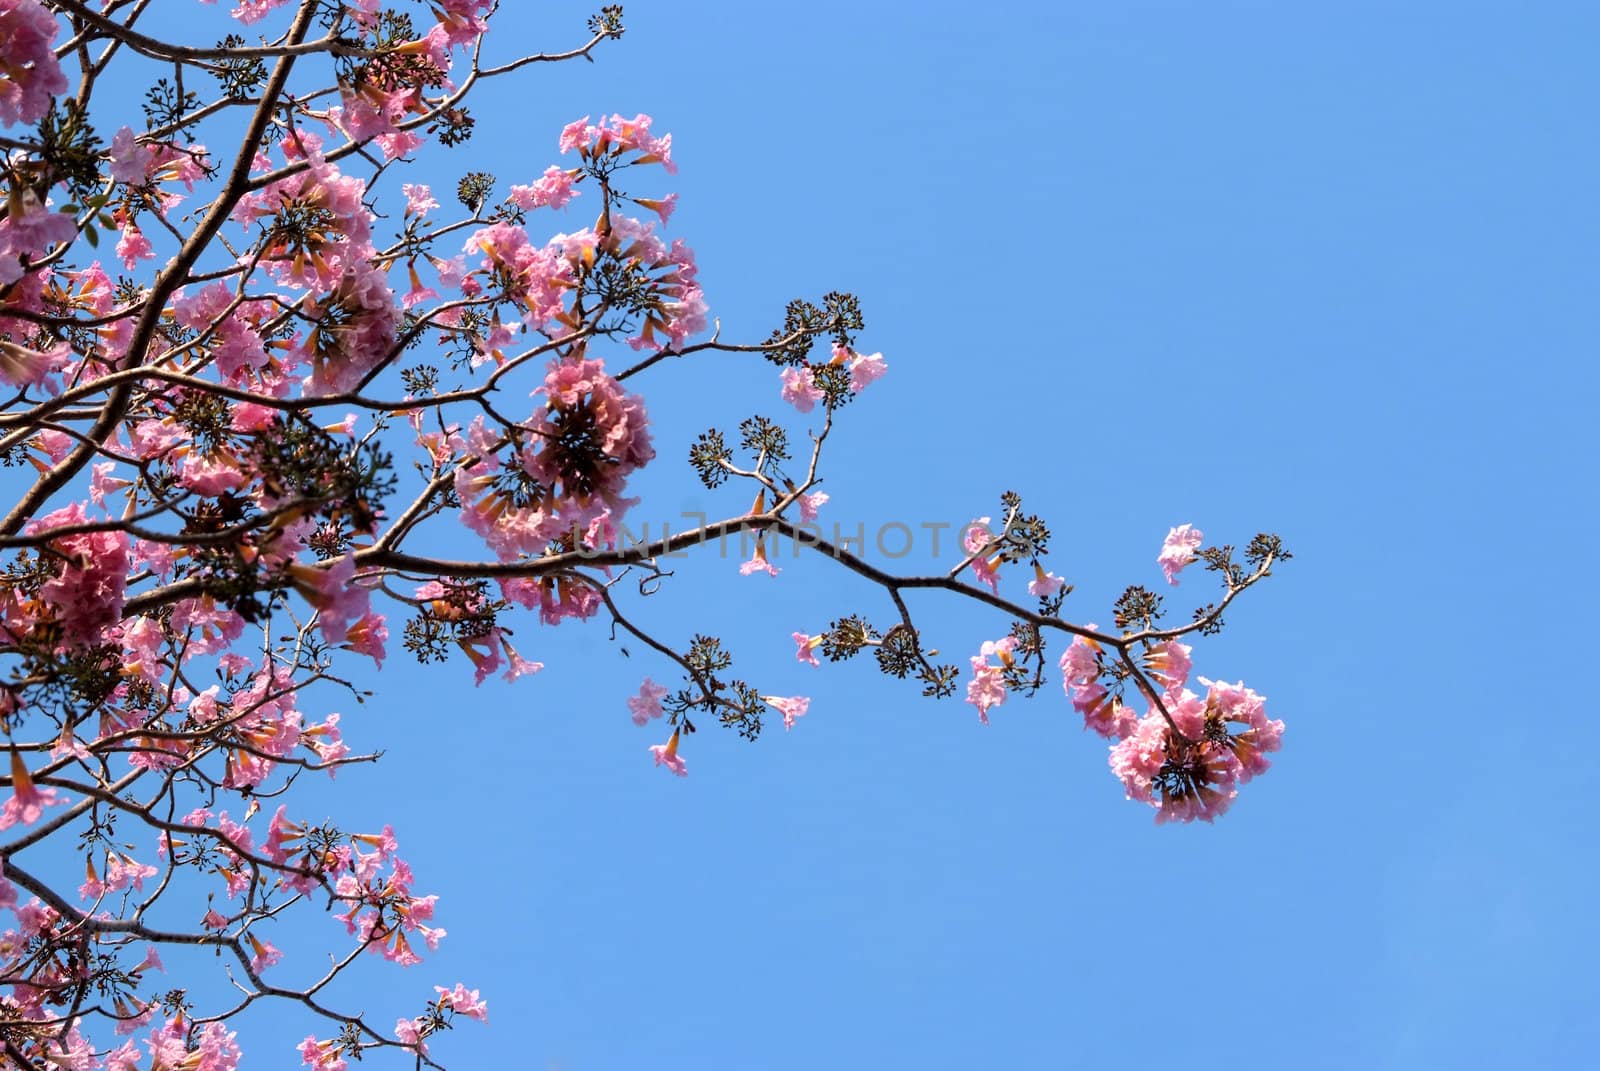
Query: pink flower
column 321, row 1055
column 265, row 954
column 250, row 11
column 406, row 1032
column 791, row 707
column 987, row 688
column 988, row 572
column 977, row 536
column 133, row 247
column 1169, row 663
column 647, row 704
column 866, row 369
column 516, row 665
column 87, row 593
column 30, row 228
column 1224, row 743
column 806, row 648
column 810, row 504
column 419, row 199
column 1178, row 551
column 533, row 276
column 353, row 329
column 103, row 484
column 663, row 207
column 218, row 1051
column 799, row 389
column 976, row 540
column 1102, row 712
column 331, row 592
column 418, row 292
column 29, row 72
column 464, row 1001
column 576, row 135
column 212, row 474
column 554, row 190
column 1236, row 704
column 667, row 755
column 22, row 366
column 130, row 161
column 759, row 563
column 367, row 636
column 1080, row 662
column 1044, row 584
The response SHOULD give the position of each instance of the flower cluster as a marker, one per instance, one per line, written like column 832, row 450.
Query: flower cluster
column 30, row 74
column 1190, row 766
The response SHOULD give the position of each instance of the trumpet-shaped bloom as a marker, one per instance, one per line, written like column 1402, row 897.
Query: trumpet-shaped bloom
column 330, row 591
column 806, row 648
column 791, row 707
column 1043, row 584
column 667, row 755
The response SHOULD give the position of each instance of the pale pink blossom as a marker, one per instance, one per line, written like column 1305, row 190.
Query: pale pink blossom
column 322, row 1055
column 251, row 11
column 29, row 72
column 1178, row 551
column 988, row 689
column 1043, row 584
column 791, row 707
column 553, row 190
column 419, row 199
column 31, row 228
column 799, row 389
column 331, row 591
column 1102, row 711
column 464, row 1001
column 667, row 755
column 810, row 504
column 647, row 704
column 516, row 665
column 102, row 483
column 1169, row 663
column 407, row 1033
column 806, row 648
column 28, row 801
column 130, row 160
column 759, row 563
column 23, row 366
column 576, row 135
column 663, row 207
column 133, row 247
column 217, row 1048
column 265, row 955
column 87, row 591
column 976, row 539
column 865, row 369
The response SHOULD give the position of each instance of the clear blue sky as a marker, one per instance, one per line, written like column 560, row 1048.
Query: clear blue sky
column 1328, row 270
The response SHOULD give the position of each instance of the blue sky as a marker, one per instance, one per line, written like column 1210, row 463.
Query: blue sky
column 1325, row 270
